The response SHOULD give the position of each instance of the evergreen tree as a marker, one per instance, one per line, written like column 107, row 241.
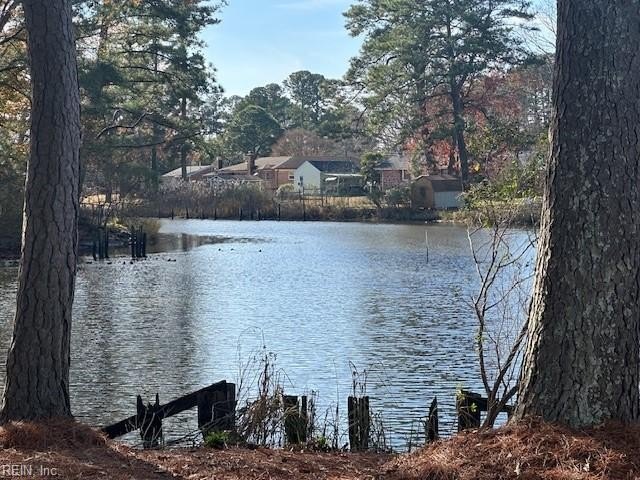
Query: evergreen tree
column 416, row 52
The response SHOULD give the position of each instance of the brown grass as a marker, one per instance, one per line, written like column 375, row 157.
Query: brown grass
column 532, row 450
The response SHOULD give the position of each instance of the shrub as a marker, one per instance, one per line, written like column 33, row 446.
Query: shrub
column 217, row 440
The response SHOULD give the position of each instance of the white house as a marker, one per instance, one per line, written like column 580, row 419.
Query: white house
column 318, row 175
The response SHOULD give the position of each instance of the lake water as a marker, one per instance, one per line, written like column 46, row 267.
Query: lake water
column 324, row 297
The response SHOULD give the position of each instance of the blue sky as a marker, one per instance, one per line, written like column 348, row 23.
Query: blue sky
column 263, row 41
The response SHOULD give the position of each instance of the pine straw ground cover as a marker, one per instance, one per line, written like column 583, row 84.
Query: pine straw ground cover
column 528, row 451
column 74, row 451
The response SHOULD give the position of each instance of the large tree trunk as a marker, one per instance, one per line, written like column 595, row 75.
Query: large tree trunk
column 581, row 365
column 184, row 147
column 459, row 127
column 37, row 383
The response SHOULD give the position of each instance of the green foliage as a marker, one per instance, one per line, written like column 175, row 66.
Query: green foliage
column 148, row 95
column 419, row 58
column 398, row 196
column 218, row 440
column 253, row 131
column 517, row 181
column 369, row 164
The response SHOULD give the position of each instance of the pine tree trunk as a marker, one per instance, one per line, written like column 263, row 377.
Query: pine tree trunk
column 37, row 383
column 459, row 127
column 581, row 365
column 183, row 147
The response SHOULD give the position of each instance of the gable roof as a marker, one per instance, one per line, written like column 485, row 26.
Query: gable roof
column 395, row 162
column 297, row 160
column 191, row 170
column 443, row 182
column 334, row 166
column 261, row 163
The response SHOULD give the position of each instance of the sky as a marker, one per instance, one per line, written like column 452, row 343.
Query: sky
column 263, row 41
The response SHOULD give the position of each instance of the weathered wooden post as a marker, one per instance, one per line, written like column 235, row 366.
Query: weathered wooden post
column 106, row 243
column 252, row 214
column 431, row 427
column 359, row 423
column 149, row 420
column 279, row 207
column 100, row 248
column 468, row 408
column 216, row 409
column 240, row 214
column 132, row 238
column 144, row 245
column 94, row 249
column 215, row 214
column 295, row 419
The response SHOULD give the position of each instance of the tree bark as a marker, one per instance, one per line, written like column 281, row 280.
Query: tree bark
column 183, row 147
column 581, row 365
column 37, row 384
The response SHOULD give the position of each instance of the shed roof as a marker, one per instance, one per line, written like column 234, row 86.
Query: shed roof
column 442, row 183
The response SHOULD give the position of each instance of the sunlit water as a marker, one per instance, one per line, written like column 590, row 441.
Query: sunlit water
column 324, row 297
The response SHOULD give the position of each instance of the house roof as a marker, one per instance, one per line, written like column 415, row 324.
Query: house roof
column 334, row 166
column 395, row 162
column 191, row 170
column 443, row 182
column 219, row 174
column 261, row 163
column 297, row 160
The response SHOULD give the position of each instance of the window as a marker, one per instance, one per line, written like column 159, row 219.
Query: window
column 291, row 177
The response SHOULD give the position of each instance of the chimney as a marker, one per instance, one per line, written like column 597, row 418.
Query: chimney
column 251, row 164
column 218, row 163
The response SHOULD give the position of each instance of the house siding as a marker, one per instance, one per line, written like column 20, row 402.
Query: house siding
column 445, row 200
column 310, row 174
column 391, row 179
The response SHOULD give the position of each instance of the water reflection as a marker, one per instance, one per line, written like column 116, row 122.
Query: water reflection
column 320, row 295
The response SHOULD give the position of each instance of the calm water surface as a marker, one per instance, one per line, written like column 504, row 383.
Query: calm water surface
column 323, row 297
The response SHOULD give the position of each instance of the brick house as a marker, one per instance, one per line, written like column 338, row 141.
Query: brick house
column 395, row 171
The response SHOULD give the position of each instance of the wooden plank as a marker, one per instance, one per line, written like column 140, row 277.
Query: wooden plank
column 164, row 411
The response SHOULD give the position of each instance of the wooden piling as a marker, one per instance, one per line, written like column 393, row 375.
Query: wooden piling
column 431, row 427
column 359, row 423
column 295, row 419
column 149, row 418
column 132, row 236
column 468, row 406
column 176, row 406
